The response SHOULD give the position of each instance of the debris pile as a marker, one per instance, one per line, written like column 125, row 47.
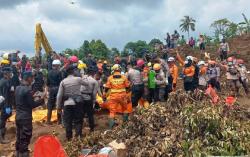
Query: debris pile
column 187, row 125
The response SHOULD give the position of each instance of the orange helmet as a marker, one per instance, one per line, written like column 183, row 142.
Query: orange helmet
column 157, row 66
column 240, row 61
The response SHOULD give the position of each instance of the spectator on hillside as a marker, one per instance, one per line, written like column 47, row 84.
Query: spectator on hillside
column 168, row 38
column 182, row 41
column 176, row 37
column 223, row 49
column 202, row 43
column 191, row 42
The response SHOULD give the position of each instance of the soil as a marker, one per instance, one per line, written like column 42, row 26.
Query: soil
column 239, row 46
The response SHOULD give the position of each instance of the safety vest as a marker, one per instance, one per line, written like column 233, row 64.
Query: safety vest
column 117, row 83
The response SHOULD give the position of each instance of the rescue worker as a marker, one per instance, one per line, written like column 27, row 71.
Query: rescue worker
column 25, row 104
column 81, row 66
column 118, row 85
column 202, row 75
column 151, row 84
column 160, row 81
column 172, row 78
column 89, row 96
column 213, row 75
column 53, row 82
column 196, row 73
column 4, row 63
column 243, row 75
column 70, row 100
column 232, row 75
column 188, row 72
column 135, row 76
column 5, row 106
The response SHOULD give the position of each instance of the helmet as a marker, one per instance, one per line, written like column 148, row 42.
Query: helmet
column 6, row 56
column 171, row 59
column 105, row 62
column 116, row 67
column 240, row 61
column 99, row 61
column 149, row 64
column 73, row 59
column 157, row 66
column 56, row 62
column 189, row 58
column 81, row 66
column 5, row 61
column 201, row 63
column 80, row 62
column 230, row 59
column 140, row 62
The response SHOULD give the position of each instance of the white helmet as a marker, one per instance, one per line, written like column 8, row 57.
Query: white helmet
column 201, row 63
column 189, row 58
column 171, row 59
column 6, row 56
column 80, row 62
column 56, row 62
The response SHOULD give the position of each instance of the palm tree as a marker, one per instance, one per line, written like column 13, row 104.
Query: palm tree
column 187, row 24
column 246, row 23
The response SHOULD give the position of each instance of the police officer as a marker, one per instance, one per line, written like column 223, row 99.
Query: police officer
column 24, row 105
column 53, row 82
column 89, row 96
column 70, row 100
column 5, row 106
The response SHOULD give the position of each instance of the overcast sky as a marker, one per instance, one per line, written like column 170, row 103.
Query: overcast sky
column 114, row 21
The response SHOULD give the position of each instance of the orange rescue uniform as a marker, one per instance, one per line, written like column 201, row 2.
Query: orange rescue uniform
column 119, row 99
column 174, row 73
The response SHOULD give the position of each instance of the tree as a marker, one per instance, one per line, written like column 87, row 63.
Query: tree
column 99, row 49
column 187, row 24
column 154, row 41
column 84, row 50
column 137, row 49
column 220, row 26
column 246, row 23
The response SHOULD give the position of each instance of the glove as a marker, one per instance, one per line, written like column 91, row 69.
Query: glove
column 8, row 110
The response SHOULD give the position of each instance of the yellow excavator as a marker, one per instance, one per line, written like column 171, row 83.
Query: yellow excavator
column 41, row 40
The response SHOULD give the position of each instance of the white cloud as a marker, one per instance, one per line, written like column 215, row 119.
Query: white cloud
column 116, row 23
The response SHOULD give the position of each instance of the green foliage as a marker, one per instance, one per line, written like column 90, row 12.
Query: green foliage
column 187, row 24
column 136, row 48
column 246, row 23
column 154, row 41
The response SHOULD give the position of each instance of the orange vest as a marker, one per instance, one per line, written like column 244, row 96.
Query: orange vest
column 174, row 73
column 189, row 71
column 117, row 83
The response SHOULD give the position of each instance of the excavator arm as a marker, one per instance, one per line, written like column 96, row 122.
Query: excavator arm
column 41, row 40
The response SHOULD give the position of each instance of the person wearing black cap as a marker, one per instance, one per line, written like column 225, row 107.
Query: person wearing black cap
column 89, row 92
column 24, row 105
column 70, row 100
column 5, row 105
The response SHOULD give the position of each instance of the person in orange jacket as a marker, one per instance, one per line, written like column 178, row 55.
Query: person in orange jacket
column 172, row 78
column 188, row 71
column 118, row 85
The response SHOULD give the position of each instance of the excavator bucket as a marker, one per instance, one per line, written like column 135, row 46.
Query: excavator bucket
column 48, row 146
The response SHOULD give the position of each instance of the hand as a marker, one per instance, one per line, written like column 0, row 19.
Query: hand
column 8, row 110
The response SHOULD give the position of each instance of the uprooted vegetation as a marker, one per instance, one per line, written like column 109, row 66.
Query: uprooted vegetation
column 187, row 125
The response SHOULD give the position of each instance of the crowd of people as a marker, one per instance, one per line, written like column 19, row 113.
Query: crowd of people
column 74, row 85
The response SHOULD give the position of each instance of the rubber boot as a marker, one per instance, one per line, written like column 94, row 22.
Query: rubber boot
column 2, row 137
column 125, row 117
column 111, row 123
column 49, row 113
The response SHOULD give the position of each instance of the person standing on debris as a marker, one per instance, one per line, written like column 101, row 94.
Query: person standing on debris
column 5, row 106
column 25, row 104
column 243, row 75
column 70, row 100
column 196, row 73
column 168, row 38
column 118, row 85
column 53, row 82
column 172, row 78
column 213, row 75
column 89, row 96
column 160, row 81
column 202, row 75
column 223, row 50
column 202, row 43
column 135, row 76
column 191, row 42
